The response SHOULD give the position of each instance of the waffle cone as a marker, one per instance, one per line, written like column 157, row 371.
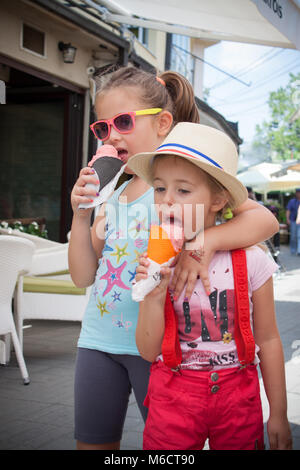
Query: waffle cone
column 160, row 248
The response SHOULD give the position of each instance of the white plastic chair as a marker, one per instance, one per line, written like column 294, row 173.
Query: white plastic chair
column 40, row 243
column 16, row 258
column 47, row 292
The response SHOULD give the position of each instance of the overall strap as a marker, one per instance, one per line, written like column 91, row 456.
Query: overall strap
column 243, row 335
column 171, row 350
column 245, row 344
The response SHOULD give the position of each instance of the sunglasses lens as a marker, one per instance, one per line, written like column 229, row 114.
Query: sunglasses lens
column 123, row 122
column 101, row 130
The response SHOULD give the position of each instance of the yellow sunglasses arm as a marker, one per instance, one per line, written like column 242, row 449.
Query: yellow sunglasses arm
column 148, row 111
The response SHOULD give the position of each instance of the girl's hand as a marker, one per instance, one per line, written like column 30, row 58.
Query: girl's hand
column 142, row 272
column 191, row 265
column 279, row 432
column 80, row 194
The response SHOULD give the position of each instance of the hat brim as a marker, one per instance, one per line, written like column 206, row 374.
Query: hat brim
column 141, row 164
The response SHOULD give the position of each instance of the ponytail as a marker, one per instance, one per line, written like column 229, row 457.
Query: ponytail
column 182, row 96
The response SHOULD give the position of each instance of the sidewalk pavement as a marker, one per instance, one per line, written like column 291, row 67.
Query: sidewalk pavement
column 40, row 415
column 287, row 303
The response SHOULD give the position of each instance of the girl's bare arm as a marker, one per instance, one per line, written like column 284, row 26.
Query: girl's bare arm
column 151, row 321
column 252, row 223
column 86, row 244
column 85, row 249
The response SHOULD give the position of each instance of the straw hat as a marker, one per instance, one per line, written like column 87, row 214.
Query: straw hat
column 208, row 148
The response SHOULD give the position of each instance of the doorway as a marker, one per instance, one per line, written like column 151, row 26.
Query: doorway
column 40, row 151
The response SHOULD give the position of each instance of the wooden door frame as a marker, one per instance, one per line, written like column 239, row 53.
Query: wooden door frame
column 71, row 158
column 73, row 97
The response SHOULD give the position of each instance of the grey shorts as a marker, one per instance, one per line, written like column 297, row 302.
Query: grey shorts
column 103, row 383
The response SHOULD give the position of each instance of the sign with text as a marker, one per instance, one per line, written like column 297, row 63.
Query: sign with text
column 284, row 15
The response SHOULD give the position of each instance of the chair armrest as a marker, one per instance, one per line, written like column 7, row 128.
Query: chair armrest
column 50, row 260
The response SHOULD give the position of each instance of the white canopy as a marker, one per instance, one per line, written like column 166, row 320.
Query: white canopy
column 260, row 179
column 258, row 176
column 289, row 181
column 267, row 22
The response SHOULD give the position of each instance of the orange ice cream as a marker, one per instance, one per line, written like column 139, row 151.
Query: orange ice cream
column 165, row 242
column 161, row 247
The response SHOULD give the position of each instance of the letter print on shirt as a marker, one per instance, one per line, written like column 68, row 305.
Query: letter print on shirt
column 212, row 318
column 119, row 322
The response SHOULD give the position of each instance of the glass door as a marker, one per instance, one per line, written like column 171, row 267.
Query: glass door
column 31, row 149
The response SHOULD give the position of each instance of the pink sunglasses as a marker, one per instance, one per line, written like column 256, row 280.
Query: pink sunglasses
column 124, row 123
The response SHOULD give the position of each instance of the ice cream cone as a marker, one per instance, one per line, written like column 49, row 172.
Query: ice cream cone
column 106, row 163
column 164, row 244
column 108, row 168
column 104, row 151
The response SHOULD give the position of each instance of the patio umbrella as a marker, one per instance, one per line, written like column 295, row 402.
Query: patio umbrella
column 289, row 181
column 290, row 165
column 295, row 166
column 272, row 23
column 258, row 176
column 260, row 179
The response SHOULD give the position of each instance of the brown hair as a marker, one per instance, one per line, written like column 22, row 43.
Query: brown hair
column 176, row 96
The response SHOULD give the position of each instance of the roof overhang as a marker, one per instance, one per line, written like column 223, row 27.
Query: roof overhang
column 266, row 22
column 69, row 12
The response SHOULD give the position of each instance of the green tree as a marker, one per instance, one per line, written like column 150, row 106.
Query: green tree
column 281, row 135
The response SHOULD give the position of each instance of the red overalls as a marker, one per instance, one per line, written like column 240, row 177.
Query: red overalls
column 186, row 407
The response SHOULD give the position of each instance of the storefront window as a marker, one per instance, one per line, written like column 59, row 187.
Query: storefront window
column 181, row 59
column 31, row 149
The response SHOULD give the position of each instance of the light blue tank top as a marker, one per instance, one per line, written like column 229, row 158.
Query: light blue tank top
column 110, row 318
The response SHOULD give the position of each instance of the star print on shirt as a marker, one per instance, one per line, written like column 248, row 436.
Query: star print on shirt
column 139, row 227
column 113, row 277
column 120, row 252
column 102, row 307
column 116, row 296
column 137, row 256
column 132, row 275
column 107, row 248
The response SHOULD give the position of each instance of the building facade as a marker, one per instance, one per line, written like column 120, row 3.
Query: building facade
column 48, row 95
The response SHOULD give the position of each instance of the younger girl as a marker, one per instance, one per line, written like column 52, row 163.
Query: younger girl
column 135, row 113
column 210, row 395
